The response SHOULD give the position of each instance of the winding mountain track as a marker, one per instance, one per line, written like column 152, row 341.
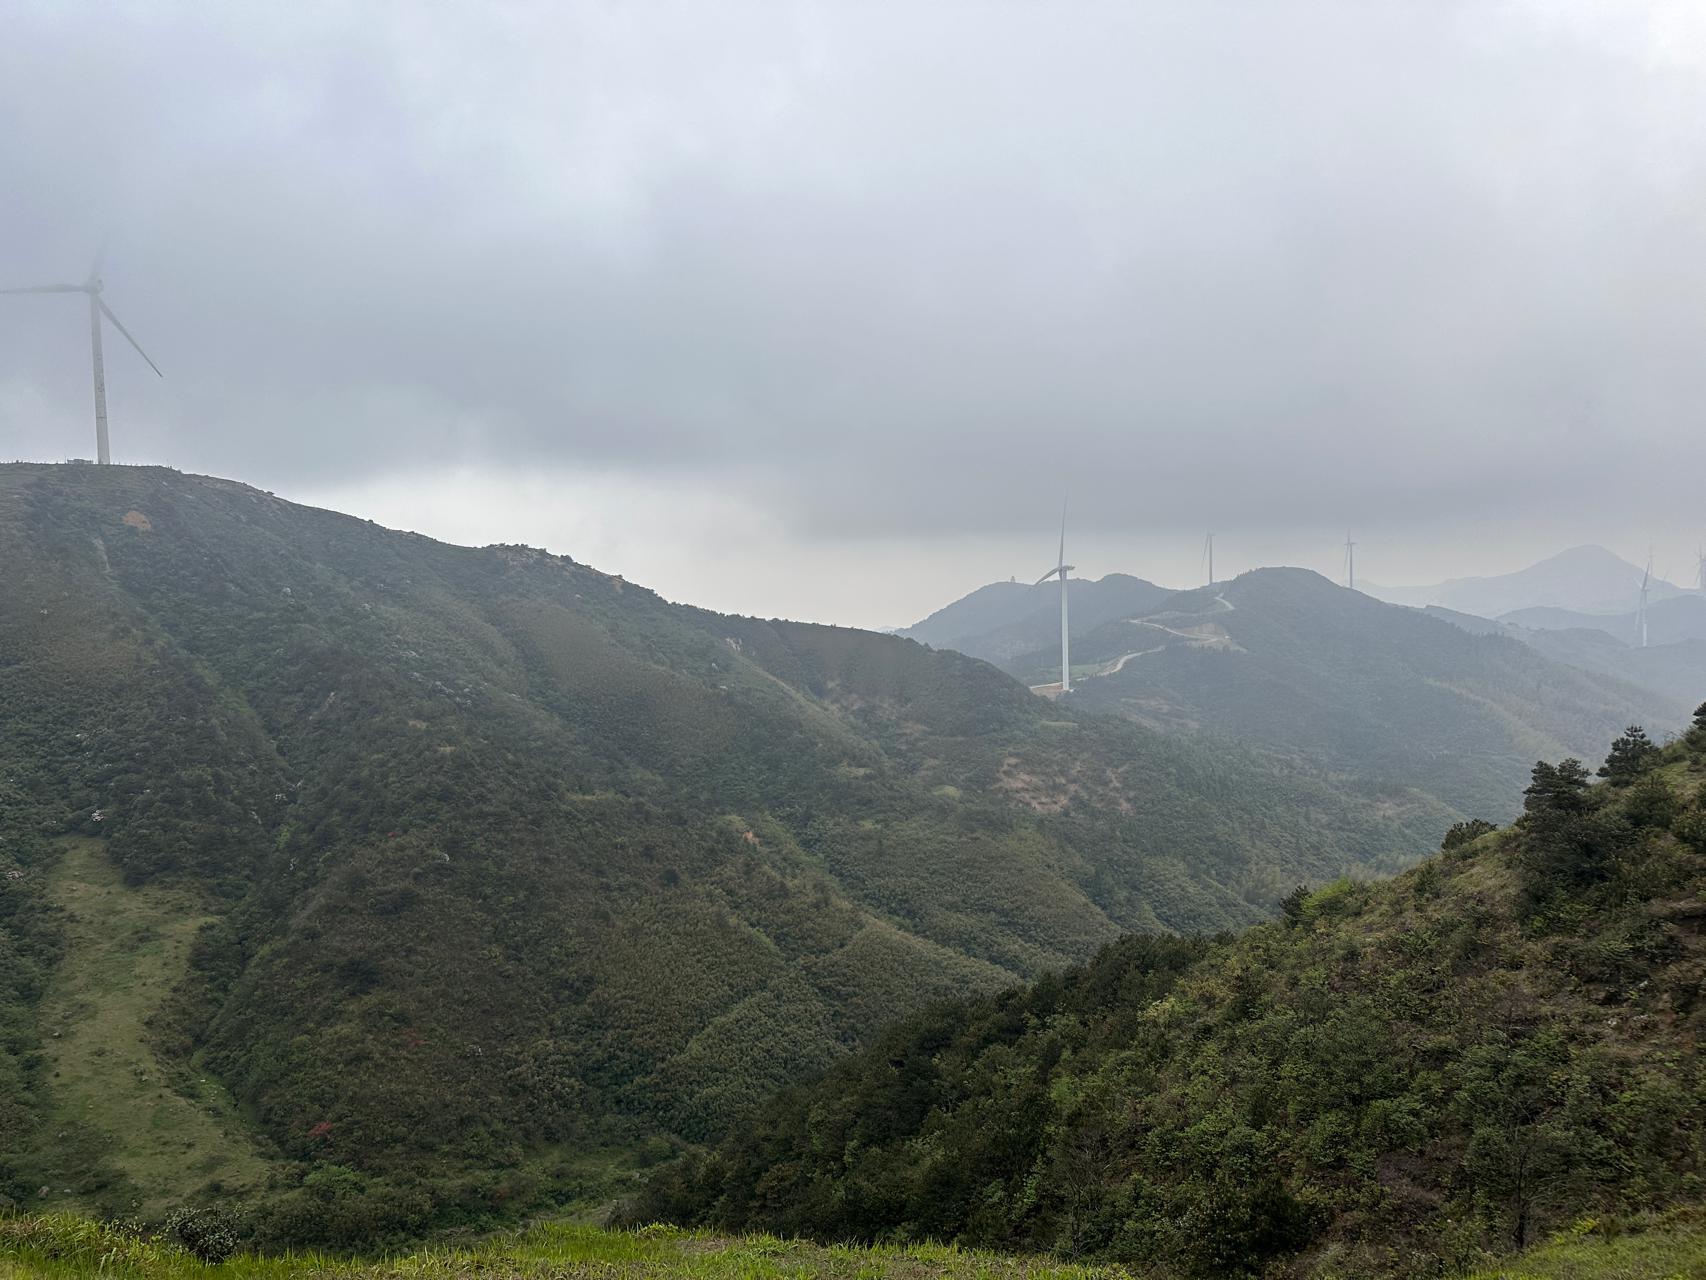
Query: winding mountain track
column 1194, row 637
column 1118, row 664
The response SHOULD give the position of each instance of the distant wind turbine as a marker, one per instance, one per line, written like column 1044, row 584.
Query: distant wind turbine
column 97, row 308
column 1700, row 571
column 1350, row 562
column 1208, row 555
column 1641, row 613
column 1062, row 569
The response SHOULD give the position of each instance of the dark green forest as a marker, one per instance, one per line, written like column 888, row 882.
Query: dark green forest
column 509, row 862
column 1390, row 1079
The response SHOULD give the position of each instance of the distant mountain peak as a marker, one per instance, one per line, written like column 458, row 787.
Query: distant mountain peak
column 1585, row 579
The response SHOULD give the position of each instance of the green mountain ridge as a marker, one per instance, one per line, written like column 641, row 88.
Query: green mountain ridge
column 507, row 862
column 1004, row 620
column 1285, row 659
column 1674, row 670
column 1397, row 1079
column 1681, row 617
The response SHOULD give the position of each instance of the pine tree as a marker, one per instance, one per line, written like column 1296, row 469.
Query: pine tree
column 1630, row 755
column 1559, row 788
column 1697, row 734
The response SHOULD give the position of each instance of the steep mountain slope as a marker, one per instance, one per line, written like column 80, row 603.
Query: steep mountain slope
column 1005, row 619
column 1285, row 658
column 507, row 859
column 1586, row 579
column 1390, row 1080
column 1668, row 621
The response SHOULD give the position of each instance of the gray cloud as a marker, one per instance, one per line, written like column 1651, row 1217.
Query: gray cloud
column 885, row 268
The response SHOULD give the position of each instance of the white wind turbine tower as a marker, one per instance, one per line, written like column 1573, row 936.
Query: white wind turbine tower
column 1350, row 562
column 1700, row 572
column 97, row 308
column 1208, row 556
column 1062, row 569
column 1641, row 613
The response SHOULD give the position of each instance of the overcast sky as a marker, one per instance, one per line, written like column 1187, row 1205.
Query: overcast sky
column 817, row 309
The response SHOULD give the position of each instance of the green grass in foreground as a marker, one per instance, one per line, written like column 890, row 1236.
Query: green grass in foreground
column 1676, row 1251
column 60, row 1246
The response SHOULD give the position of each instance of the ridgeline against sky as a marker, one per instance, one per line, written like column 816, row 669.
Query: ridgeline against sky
column 782, row 308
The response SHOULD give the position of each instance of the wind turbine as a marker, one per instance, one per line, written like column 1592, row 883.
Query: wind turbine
column 1700, row 579
column 97, row 308
column 1062, row 568
column 1350, row 562
column 1641, row 613
column 1208, row 555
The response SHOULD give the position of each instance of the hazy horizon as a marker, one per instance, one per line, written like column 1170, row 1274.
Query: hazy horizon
column 816, row 310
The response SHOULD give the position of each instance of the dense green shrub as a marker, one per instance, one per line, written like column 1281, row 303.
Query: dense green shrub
column 210, row 1234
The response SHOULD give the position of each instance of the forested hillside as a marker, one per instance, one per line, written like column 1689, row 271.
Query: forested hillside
column 504, row 861
column 1284, row 658
column 1393, row 1079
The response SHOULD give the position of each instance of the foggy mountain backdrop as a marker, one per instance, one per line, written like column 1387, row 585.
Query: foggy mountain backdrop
column 854, row 294
column 1583, row 579
column 1457, row 704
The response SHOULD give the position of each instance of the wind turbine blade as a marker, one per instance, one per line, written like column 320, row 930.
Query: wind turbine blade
column 100, row 260
column 108, row 313
column 1063, row 530
column 1051, row 573
column 48, row 288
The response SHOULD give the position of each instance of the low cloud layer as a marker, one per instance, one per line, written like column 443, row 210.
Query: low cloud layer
column 857, row 277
